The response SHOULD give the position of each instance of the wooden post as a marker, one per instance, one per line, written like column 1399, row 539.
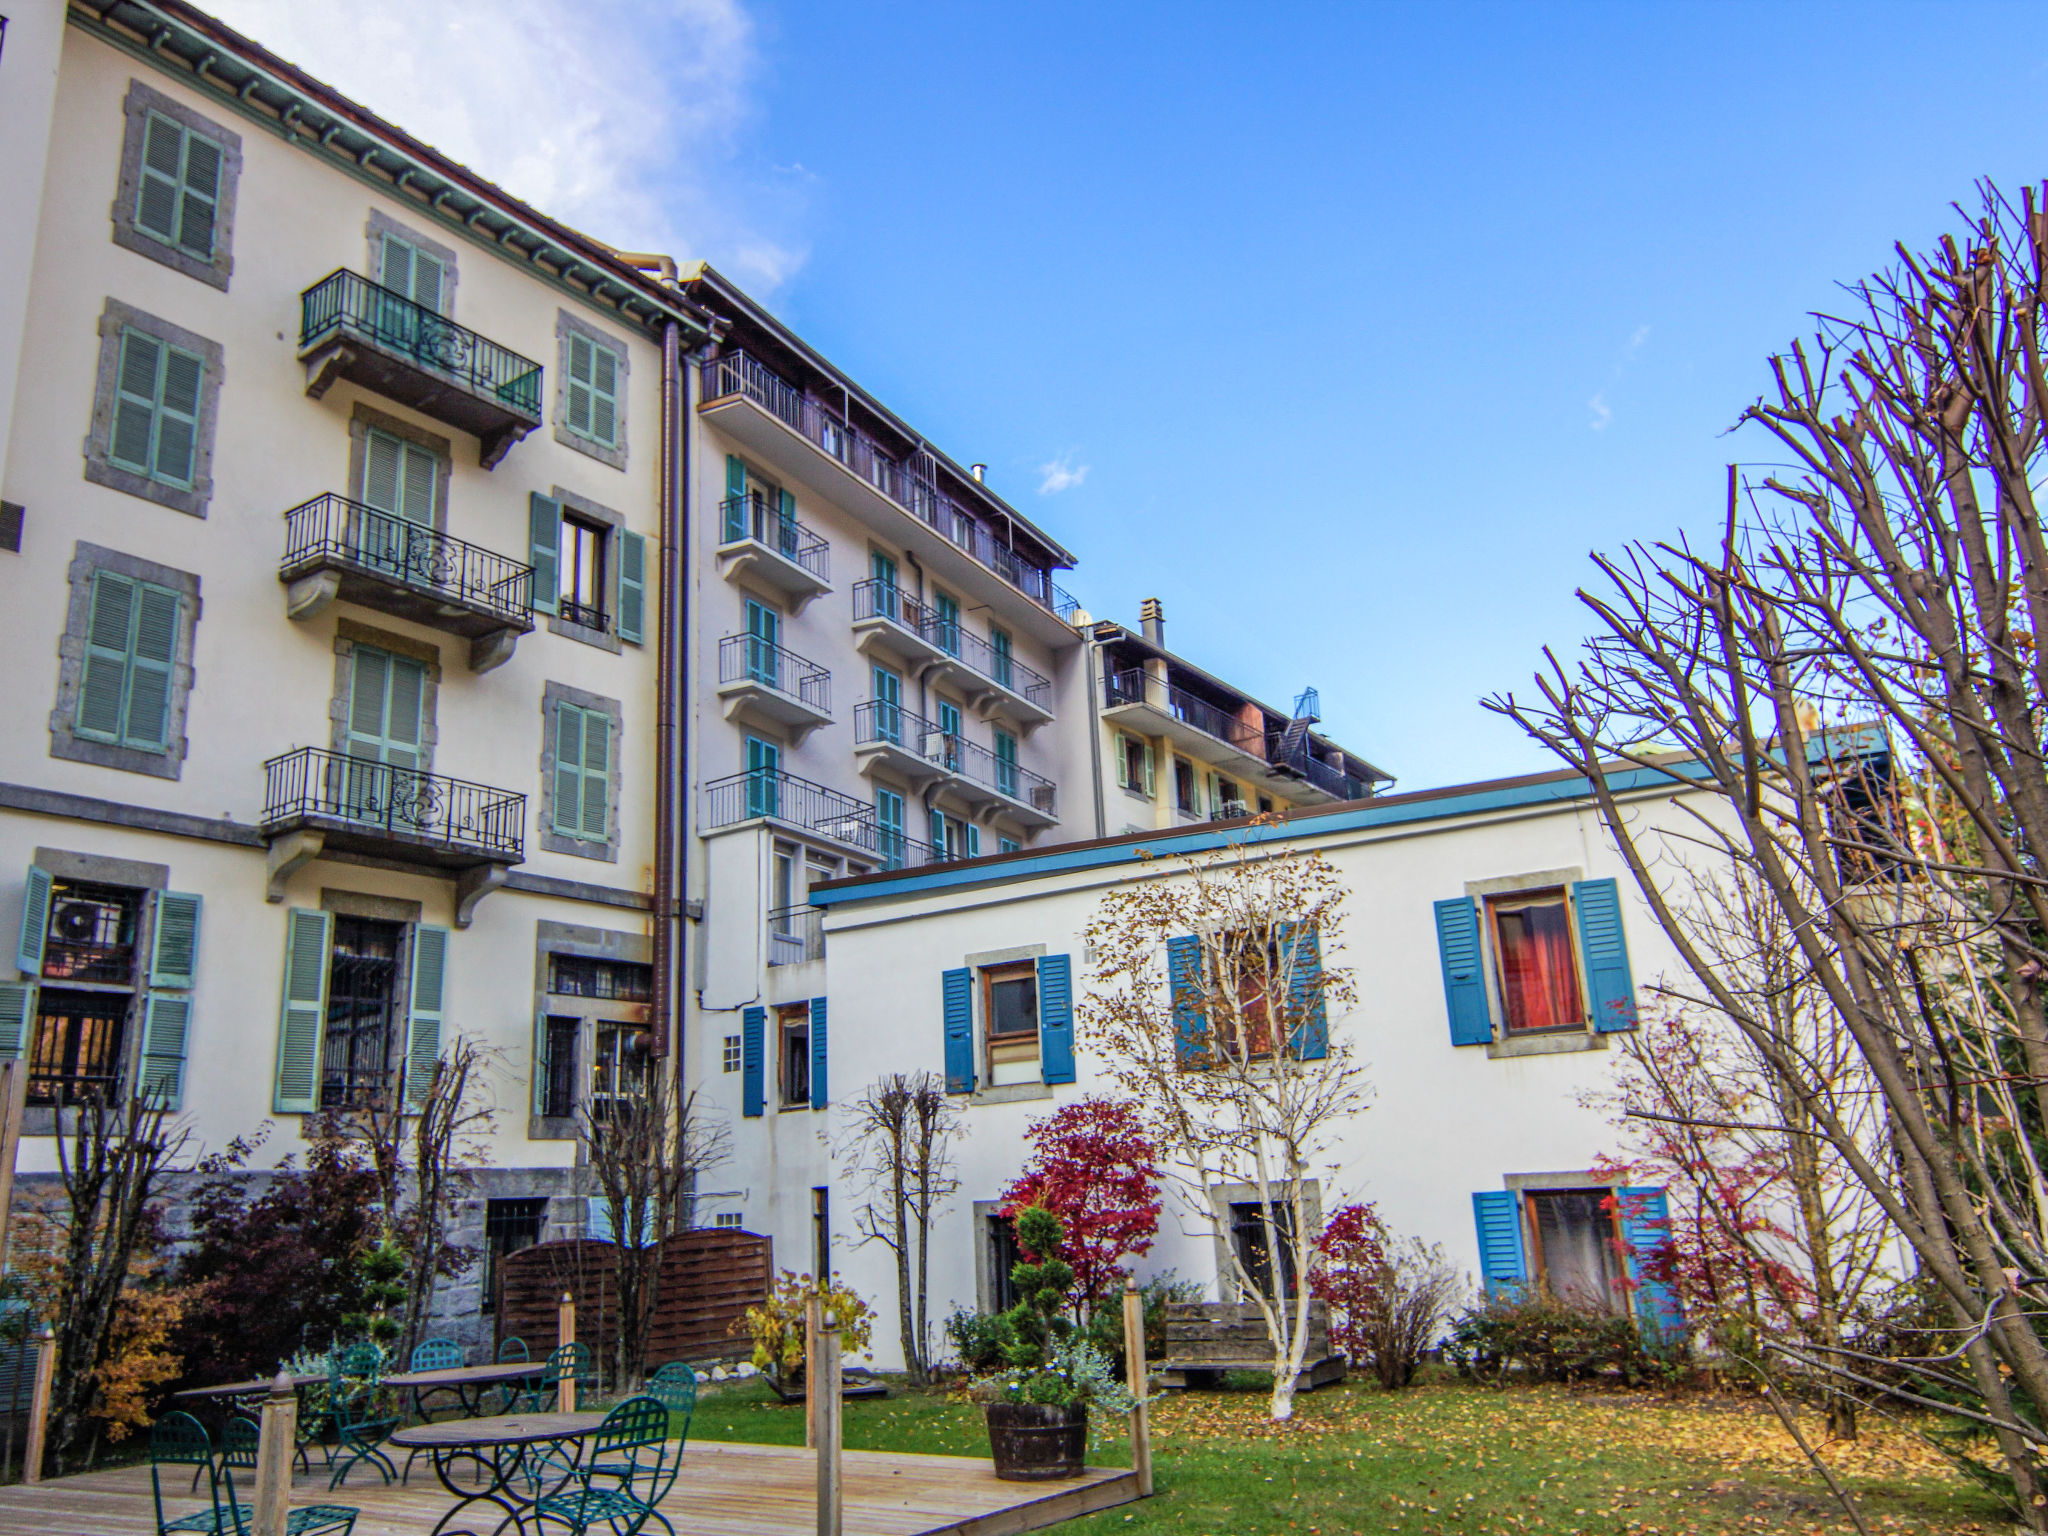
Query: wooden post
column 824, row 1367
column 276, row 1445
column 39, row 1405
column 13, row 1105
column 1138, row 1377
column 565, row 1333
column 812, row 1308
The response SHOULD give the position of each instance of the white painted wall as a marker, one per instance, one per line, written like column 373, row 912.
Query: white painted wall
column 28, row 96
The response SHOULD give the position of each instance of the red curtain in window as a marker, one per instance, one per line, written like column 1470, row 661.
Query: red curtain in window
column 1536, row 968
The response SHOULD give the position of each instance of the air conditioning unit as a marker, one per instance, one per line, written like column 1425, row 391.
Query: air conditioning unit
column 77, row 920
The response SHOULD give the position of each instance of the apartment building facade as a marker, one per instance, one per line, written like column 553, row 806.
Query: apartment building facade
column 337, row 482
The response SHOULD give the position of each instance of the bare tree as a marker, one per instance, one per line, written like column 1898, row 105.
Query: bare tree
column 1213, row 990
column 900, row 1141
column 1875, row 620
column 646, row 1154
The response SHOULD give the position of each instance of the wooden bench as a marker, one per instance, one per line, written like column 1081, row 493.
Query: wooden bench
column 1206, row 1338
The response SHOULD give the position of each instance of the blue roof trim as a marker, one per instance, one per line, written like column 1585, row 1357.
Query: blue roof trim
column 1358, row 817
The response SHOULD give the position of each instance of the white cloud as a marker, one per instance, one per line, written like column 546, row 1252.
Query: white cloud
column 1062, row 474
column 619, row 117
column 1603, row 413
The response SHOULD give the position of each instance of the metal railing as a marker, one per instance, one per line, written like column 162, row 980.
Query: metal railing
column 786, row 798
column 796, row 934
column 335, row 528
column 399, row 802
column 1008, row 778
column 878, row 722
column 999, row 667
column 346, row 301
column 874, row 599
column 749, row 658
column 752, row 517
column 1135, row 686
column 911, row 483
column 1327, row 777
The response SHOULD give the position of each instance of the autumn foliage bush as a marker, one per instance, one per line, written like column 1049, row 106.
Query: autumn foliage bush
column 1094, row 1168
column 1386, row 1298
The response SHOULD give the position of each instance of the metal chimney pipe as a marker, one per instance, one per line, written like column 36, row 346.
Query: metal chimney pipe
column 1152, row 621
column 980, row 473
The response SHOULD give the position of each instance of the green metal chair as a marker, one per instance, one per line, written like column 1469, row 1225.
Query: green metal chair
column 623, row 1477
column 512, row 1349
column 571, row 1361
column 435, row 1355
column 355, row 1404
column 674, row 1386
column 239, row 1443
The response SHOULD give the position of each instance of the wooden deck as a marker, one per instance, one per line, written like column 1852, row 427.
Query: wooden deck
column 725, row 1489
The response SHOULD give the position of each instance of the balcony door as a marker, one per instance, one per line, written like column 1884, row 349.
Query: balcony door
column 888, row 706
column 386, row 697
column 764, row 645
column 399, row 482
column 764, row 785
column 408, row 311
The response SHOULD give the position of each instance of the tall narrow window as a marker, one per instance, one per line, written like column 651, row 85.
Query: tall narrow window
column 509, row 1226
column 1248, row 1237
column 618, row 1068
column 593, row 403
column 362, row 1013
column 888, row 601
column 1005, row 670
column 124, row 696
column 1006, row 764
column 1184, row 786
column 156, row 410
column 1539, row 979
column 764, row 644
column 76, row 1055
column 889, row 842
column 794, row 1031
column 558, row 1098
column 1009, row 1011
column 888, row 705
column 583, row 750
column 581, row 573
column 1574, row 1242
column 764, row 777
column 946, row 623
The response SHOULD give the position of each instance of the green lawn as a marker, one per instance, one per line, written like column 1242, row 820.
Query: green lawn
column 1445, row 1457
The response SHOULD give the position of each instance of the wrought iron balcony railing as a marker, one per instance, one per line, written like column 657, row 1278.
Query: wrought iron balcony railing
column 874, row 599
column 753, row 517
column 1134, row 686
column 880, row 723
column 999, row 667
column 779, row 796
column 796, row 934
column 1327, row 777
column 911, row 483
column 346, row 302
column 382, row 801
column 749, row 658
column 335, row 530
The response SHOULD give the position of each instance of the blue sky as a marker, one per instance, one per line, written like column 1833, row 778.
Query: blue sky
column 1353, row 328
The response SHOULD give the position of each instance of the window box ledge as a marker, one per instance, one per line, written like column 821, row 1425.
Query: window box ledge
column 1555, row 1043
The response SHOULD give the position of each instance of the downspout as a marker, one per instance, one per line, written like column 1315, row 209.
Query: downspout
column 923, row 696
column 668, row 953
column 1098, row 701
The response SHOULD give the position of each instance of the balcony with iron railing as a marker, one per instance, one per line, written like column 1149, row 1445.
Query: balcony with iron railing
column 889, row 626
column 351, row 805
column 996, row 679
column 769, row 794
column 761, row 681
column 1151, row 706
column 1327, row 778
column 762, row 540
column 796, row 935
column 338, row 548
column 911, row 484
column 351, row 328
column 919, row 750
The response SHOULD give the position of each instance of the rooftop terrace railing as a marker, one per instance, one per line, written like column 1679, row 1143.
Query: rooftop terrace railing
column 1134, row 685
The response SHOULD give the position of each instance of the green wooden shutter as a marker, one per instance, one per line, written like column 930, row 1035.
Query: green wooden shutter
column 174, row 957
column 381, row 455
column 1457, row 949
column 426, row 280
column 1310, row 1029
column 580, row 359
column 1498, row 1215
column 753, row 1088
column 163, row 175
column 956, row 988
column 166, row 1024
column 1056, row 1018
column 199, row 206
column 135, row 385
column 1603, row 948
column 423, row 1019
column 395, row 272
column 422, row 470
column 35, row 923
column 17, row 1012
column 301, row 1029
column 632, row 586
column 819, row 1098
column 1148, row 768
column 568, row 770
column 1184, row 986
column 544, row 549
column 147, row 720
column 177, row 417
column 604, row 396
column 597, row 766
column 735, row 498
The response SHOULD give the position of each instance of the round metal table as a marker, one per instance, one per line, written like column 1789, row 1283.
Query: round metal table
column 520, row 1458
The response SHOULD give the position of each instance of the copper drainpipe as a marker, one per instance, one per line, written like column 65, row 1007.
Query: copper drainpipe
column 668, row 952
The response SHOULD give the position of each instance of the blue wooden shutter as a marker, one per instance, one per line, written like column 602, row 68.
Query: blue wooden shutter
column 1457, row 949
column 1190, row 1021
column 957, row 988
column 166, row 1024
column 1311, row 1022
column 1056, row 1018
column 753, row 1090
column 1610, row 991
column 302, row 1027
column 544, row 550
column 174, row 957
column 35, row 924
column 17, row 1009
column 423, row 1020
column 632, row 587
column 1646, row 1227
column 819, row 1097
column 1498, row 1214
column 735, row 498
column 597, row 1221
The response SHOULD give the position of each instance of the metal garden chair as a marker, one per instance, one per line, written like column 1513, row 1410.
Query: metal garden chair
column 239, row 1443
column 624, row 1475
column 674, row 1386
column 435, row 1355
column 512, row 1348
column 180, row 1440
column 571, row 1361
column 360, row 1425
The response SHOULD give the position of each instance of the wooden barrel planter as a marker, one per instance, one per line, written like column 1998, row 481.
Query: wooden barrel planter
column 1034, row 1443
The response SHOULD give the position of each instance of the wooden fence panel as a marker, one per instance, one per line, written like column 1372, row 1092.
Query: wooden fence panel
column 708, row 1279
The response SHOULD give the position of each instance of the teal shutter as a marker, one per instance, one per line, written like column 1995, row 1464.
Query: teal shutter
column 109, row 635
column 147, row 719
column 938, row 829
column 1498, row 1214
column 1645, row 1229
column 973, row 841
column 1056, row 1018
column 957, row 989
column 35, row 924
column 1457, row 949
column 135, row 381
column 1610, row 991
column 735, row 498
column 597, row 781
column 544, row 549
column 423, row 1020
column 1190, row 1022
column 174, row 958
column 1005, row 670
column 307, row 935
column 1311, row 1027
column 819, row 1098
column 163, row 179
column 568, row 770
column 177, row 418
column 753, row 1089
column 632, row 587
column 785, row 529
column 17, row 1008
column 593, row 395
column 166, row 1023
column 155, row 429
